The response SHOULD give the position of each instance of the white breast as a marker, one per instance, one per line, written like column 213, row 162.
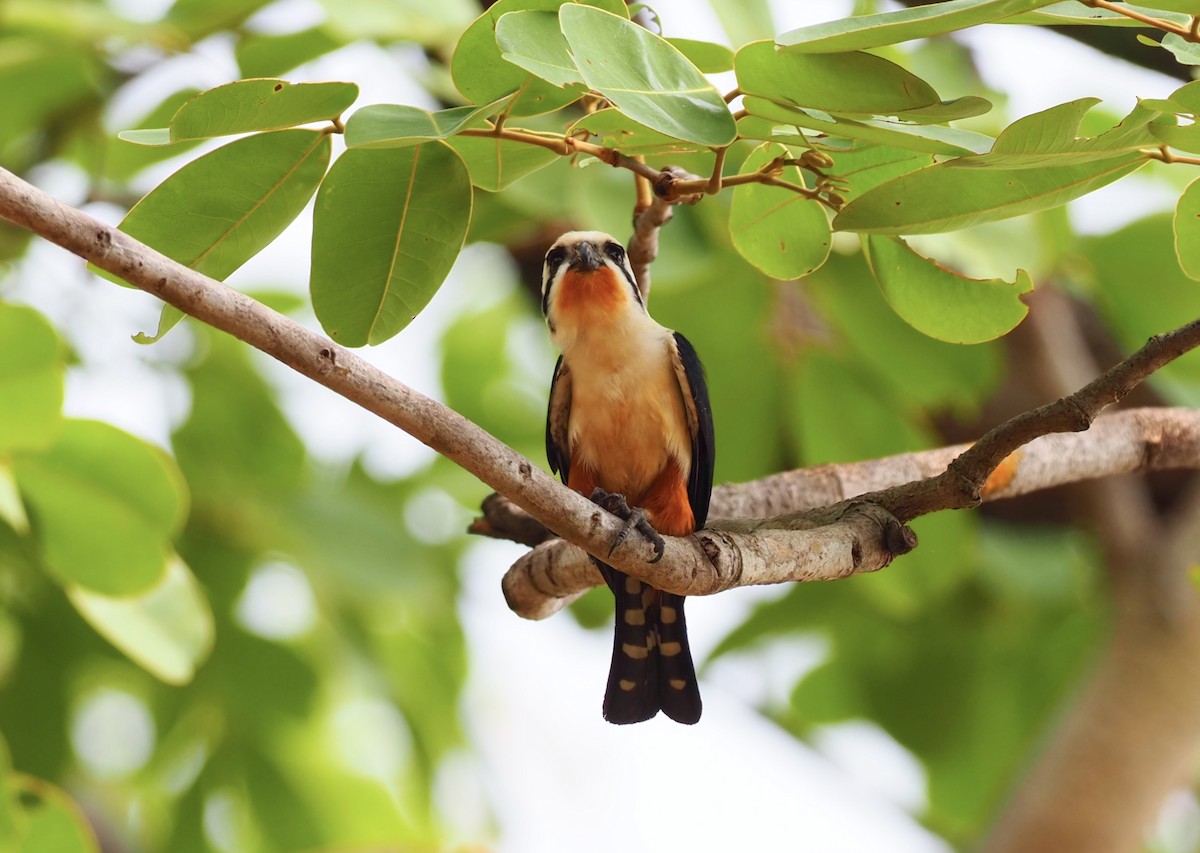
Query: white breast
column 627, row 418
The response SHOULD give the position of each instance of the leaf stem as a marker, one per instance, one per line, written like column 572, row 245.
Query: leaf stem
column 714, row 182
column 1164, row 154
column 1188, row 33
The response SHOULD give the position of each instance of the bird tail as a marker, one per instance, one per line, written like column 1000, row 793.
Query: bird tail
column 678, row 692
column 651, row 667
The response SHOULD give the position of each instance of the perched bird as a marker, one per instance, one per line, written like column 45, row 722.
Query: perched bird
column 629, row 425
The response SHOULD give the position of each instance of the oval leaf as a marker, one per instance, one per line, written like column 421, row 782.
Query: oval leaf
column 709, row 57
column 221, row 209
column 533, row 41
column 857, row 83
column 778, row 230
column 246, row 106
column 945, row 198
column 941, row 303
column 495, row 163
column 49, row 821
column 1187, row 230
column 399, row 125
column 925, row 139
column 482, row 74
column 104, row 507
column 167, row 630
column 32, row 366
column 867, row 31
column 613, row 129
column 654, row 84
column 397, row 217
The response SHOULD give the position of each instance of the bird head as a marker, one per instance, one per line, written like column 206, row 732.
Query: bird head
column 588, row 270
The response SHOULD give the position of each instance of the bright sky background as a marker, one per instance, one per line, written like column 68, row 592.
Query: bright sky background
column 559, row 777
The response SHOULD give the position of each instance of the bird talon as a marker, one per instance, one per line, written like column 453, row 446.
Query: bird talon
column 634, row 518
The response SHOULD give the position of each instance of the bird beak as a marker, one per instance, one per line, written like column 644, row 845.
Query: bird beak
column 586, row 258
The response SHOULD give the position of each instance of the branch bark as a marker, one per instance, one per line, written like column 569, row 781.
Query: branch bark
column 555, row 573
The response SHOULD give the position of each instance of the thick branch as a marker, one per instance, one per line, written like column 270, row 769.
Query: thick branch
column 961, row 484
column 320, row 359
column 555, row 572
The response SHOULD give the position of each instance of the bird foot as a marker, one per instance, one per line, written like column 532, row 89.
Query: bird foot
column 635, row 518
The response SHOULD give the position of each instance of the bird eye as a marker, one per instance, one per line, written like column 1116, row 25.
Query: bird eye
column 555, row 257
column 614, row 251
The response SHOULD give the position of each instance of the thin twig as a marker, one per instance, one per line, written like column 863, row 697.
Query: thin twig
column 1157, row 23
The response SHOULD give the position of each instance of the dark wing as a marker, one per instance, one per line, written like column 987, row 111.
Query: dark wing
column 558, row 417
column 694, row 389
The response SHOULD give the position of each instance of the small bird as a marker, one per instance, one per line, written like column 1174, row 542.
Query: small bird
column 630, row 426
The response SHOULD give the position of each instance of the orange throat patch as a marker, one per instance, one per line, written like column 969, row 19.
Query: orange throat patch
column 589, row 296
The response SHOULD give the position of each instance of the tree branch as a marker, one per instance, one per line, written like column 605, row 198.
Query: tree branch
column 555, row 573
column 337, row 368
column 863, row 534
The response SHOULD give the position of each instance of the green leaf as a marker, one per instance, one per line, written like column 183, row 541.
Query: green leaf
column 1182, row 138
column 867, row 166
column 1183, row 101
column 1187, row 96
column 868, row 31
column 246, row 106
column 496, row 163
column 534, row 41
column 399, row 125
column 168, row 319
column 151, row 140
column 613, row 129
column 944, row 198
column 430, row 24
column 926, row 139
column 1051, row 131
column 1187, row 230
column 1184, row 51
column 167, row 630
column 104, row 507
column 32, row 366
column 856, row 83
column 941, row 303
column 12, row 510
column 1074, row 13
column 947, row 111
column 482, row 74
column 778, row 230
column 709, row 57
column 41, row 80
column 198, row 18
column 262, row 55
column 397, row 217
column 1186, row 7
column 1037, row 163
column 745, row 20
column 222, row 209
column 151, row 136
column 654, row 85
column 51, row 821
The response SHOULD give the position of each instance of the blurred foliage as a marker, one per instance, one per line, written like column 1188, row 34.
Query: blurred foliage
column 277, row 636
